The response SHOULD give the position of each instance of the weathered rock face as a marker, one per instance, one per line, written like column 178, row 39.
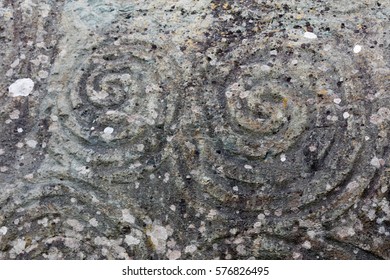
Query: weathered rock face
column 194, row 129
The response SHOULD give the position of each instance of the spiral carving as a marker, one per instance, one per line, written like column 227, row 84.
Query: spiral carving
column 119, row 104
column 282, row 124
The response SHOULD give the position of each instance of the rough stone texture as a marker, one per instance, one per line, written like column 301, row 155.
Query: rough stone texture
column 179, row 129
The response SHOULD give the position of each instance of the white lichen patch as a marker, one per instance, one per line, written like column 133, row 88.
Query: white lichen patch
column 3, row 169
column 140, row 147
column 212, row 213
column 346, row 115
column 14, row 115
column 76, row 225
column 337, row 100
column 131, row 240
column 310, row 35
column 93, row 222
column 306, row 244
column 257, row 225
column 241, row 250
column 31, row 143
column 166, row 177
column 344, row 232
column 352, row 186
column 15, row 63
column 190, row 249
column 158, row 236
column 21, row 87
column 173, row 255
column 3, row 230
column 19, row 245
column 376, row 162
column 19, row 145
column 43, row 222
column 108, row 130
column 127, row 217
column 278, row 212
column 43, row 74
column 357, row 49
column 72, row 243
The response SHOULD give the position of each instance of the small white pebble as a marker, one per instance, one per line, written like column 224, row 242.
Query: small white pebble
column 172, row 207
column 2, row 152
column 247, row 166
column 21, row 87
column 312, row 148
column 273, row 52
column 357, row 49
column 337, row 100
column 367, row 138
column 20, row 130
column 294, row 62
column 310, row 35
column 108, row 130
column 283, row 158
column 235, row 188
column 346, row 115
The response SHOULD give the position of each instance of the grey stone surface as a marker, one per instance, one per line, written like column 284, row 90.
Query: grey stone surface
column 180, row 129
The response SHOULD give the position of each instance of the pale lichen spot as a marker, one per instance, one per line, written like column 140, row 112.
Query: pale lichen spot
column 76, row 225
column 310, row 35
column 127, row 217
column 158, row 236
column 357, row 49
column 3, row 230
column 173, row 255
column 131, row 240
column 306, row 244
column 31, row 143
column 190, row 249
column 21, row 87
column 346, row 115
column 108, row 130
column 93, row 222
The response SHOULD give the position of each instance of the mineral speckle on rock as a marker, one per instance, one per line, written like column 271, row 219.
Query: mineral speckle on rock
column 205, row 129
